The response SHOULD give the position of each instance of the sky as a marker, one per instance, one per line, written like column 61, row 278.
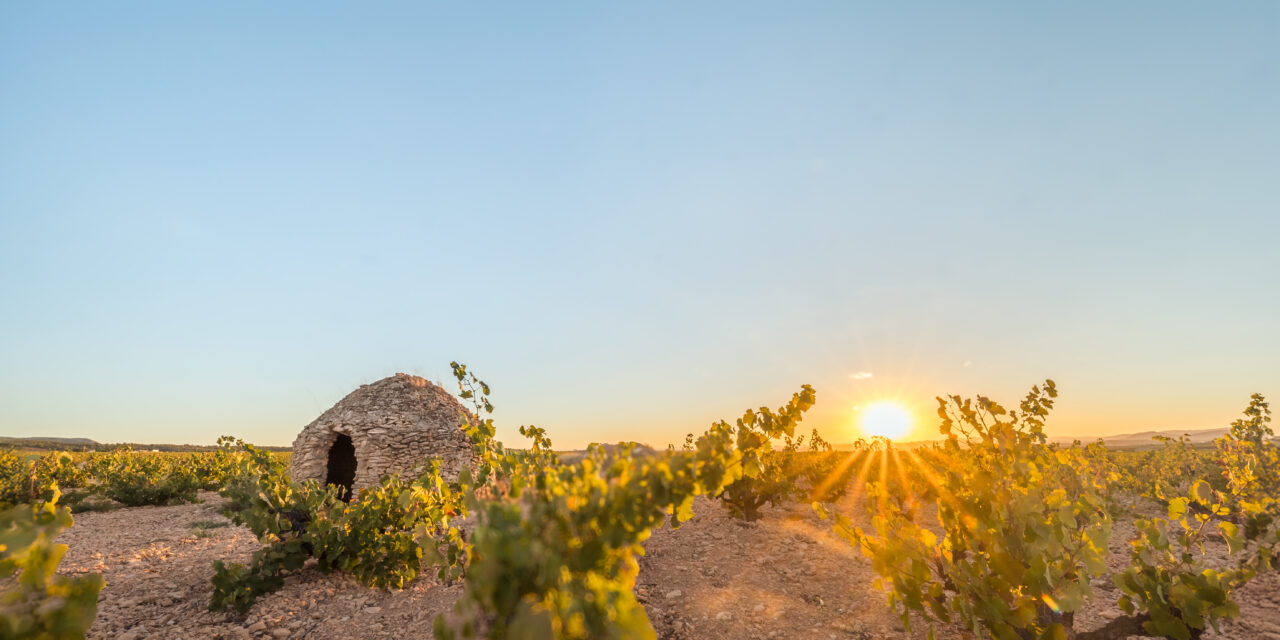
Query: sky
column 634, row 219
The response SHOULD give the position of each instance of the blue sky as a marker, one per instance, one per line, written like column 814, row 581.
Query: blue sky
column 633, row 220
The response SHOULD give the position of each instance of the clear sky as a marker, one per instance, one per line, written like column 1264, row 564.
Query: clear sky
column 635, row 219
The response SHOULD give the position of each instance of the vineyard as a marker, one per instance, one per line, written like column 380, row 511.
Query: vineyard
column 753, row 528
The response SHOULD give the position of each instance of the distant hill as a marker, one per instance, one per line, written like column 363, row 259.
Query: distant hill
column 51, row 444
column 85, row 441
column 41, row 443
column 1139, row 440
column 639, row 450
column 1148, row 438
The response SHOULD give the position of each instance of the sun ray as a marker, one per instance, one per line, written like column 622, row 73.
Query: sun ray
column 861, row 479
column 925, row 471
column 930, row 476
column 902, row 478
column 883, row 502
column 834, row 477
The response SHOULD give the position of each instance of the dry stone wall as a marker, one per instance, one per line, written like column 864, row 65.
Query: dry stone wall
column 396, row 425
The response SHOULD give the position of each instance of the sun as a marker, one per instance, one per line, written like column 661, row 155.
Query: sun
column 886, row 419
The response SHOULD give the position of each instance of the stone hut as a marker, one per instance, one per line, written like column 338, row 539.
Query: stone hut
column 392, row 426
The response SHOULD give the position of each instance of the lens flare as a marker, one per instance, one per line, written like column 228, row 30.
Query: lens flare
column 885, row 419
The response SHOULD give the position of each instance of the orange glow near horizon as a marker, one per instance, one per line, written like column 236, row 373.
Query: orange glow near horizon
column 886, row 419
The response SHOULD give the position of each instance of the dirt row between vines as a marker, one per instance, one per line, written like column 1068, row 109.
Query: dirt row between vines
column 786, row 576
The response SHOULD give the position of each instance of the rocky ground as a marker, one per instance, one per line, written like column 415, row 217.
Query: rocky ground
column 786, row 576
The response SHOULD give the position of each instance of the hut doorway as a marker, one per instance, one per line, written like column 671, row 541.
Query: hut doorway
column 342, row 465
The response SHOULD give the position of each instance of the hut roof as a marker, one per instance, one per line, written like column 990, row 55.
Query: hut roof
column 395, row 425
